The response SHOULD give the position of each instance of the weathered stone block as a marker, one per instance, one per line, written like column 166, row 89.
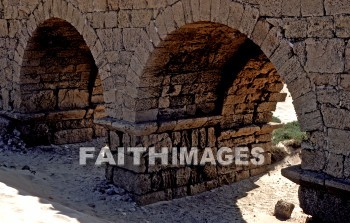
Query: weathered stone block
column 183, row 176
column 345, row 99
column 73, row 136
column 204, row 10
column 140, row 18
column 277, row 97
column 306, row 103
column 313, row 160
column 228, row 9
column 291, row 7
column 260, row 32
column 344, row 81
column 271, row 42
column 318, row 139
column 179, row 15
column 263, row 138
column 325, row 56
column 295, row 28
column 111, row 39
column 328, row 96
column 267, row 106
column 320, row 27
column 249, row 20
column 271, row 8
column 73, row 98
column 311, row 121
column 334, row 7
column 149, row 115
column 338, row 141
column 113, row 4
column 335, row 165
column 3, row 28
column 312, row 8
column 131, row 38
column 39, row 101
column 336, row 117
column 342, row 26
column 156, row 3
column 283, row 209
column 324, row 79
column 137, row 183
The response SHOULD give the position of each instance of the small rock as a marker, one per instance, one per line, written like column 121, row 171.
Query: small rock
column 284, row 209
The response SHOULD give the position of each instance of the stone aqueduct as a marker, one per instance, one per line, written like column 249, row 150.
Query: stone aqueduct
column 184, row 73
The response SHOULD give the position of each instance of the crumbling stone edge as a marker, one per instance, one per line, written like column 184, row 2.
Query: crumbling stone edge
column 324, row 197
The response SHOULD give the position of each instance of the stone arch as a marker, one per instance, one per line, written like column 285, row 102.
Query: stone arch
column 60, row 89
column 66, row 11
column 238, row 16
column 237, row 33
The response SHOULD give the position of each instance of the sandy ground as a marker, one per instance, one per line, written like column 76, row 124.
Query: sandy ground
column 56, row 189
column 46, row 184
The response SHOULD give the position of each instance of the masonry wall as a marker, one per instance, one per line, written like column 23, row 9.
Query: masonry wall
column 60, row 87
column 149, row 183
column 306, row 41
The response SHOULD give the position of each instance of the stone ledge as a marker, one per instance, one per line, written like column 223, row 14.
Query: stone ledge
column 60, row 115
column 147, row 128
column 316, row 179
column 20, row 116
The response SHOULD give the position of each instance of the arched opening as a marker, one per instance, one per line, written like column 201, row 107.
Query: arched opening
column 183, row 77
column 204, row 85
column 206, row 69
column 61, row 92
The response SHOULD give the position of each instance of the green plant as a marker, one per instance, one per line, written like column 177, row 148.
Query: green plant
column 275, row 119
column 287, row 132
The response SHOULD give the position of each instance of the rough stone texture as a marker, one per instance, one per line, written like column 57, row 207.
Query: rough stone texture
column 59, row 74
column 284, row 209
column 325, row 56
column 312, row 8
column 150, row 183
column 322, row 27
column 164, row 67
column 334, row 7
column 342, row 26
column 324, row 206
column 338, row 140
column 295, row 28
column 291, row 7
column 313, row 160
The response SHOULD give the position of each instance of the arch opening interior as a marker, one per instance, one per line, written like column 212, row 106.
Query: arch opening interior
column 61, row 92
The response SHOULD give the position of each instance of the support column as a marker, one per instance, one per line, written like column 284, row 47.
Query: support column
column 152, row 183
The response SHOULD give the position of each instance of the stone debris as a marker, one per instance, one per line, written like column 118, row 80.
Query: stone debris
column 284, row 210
